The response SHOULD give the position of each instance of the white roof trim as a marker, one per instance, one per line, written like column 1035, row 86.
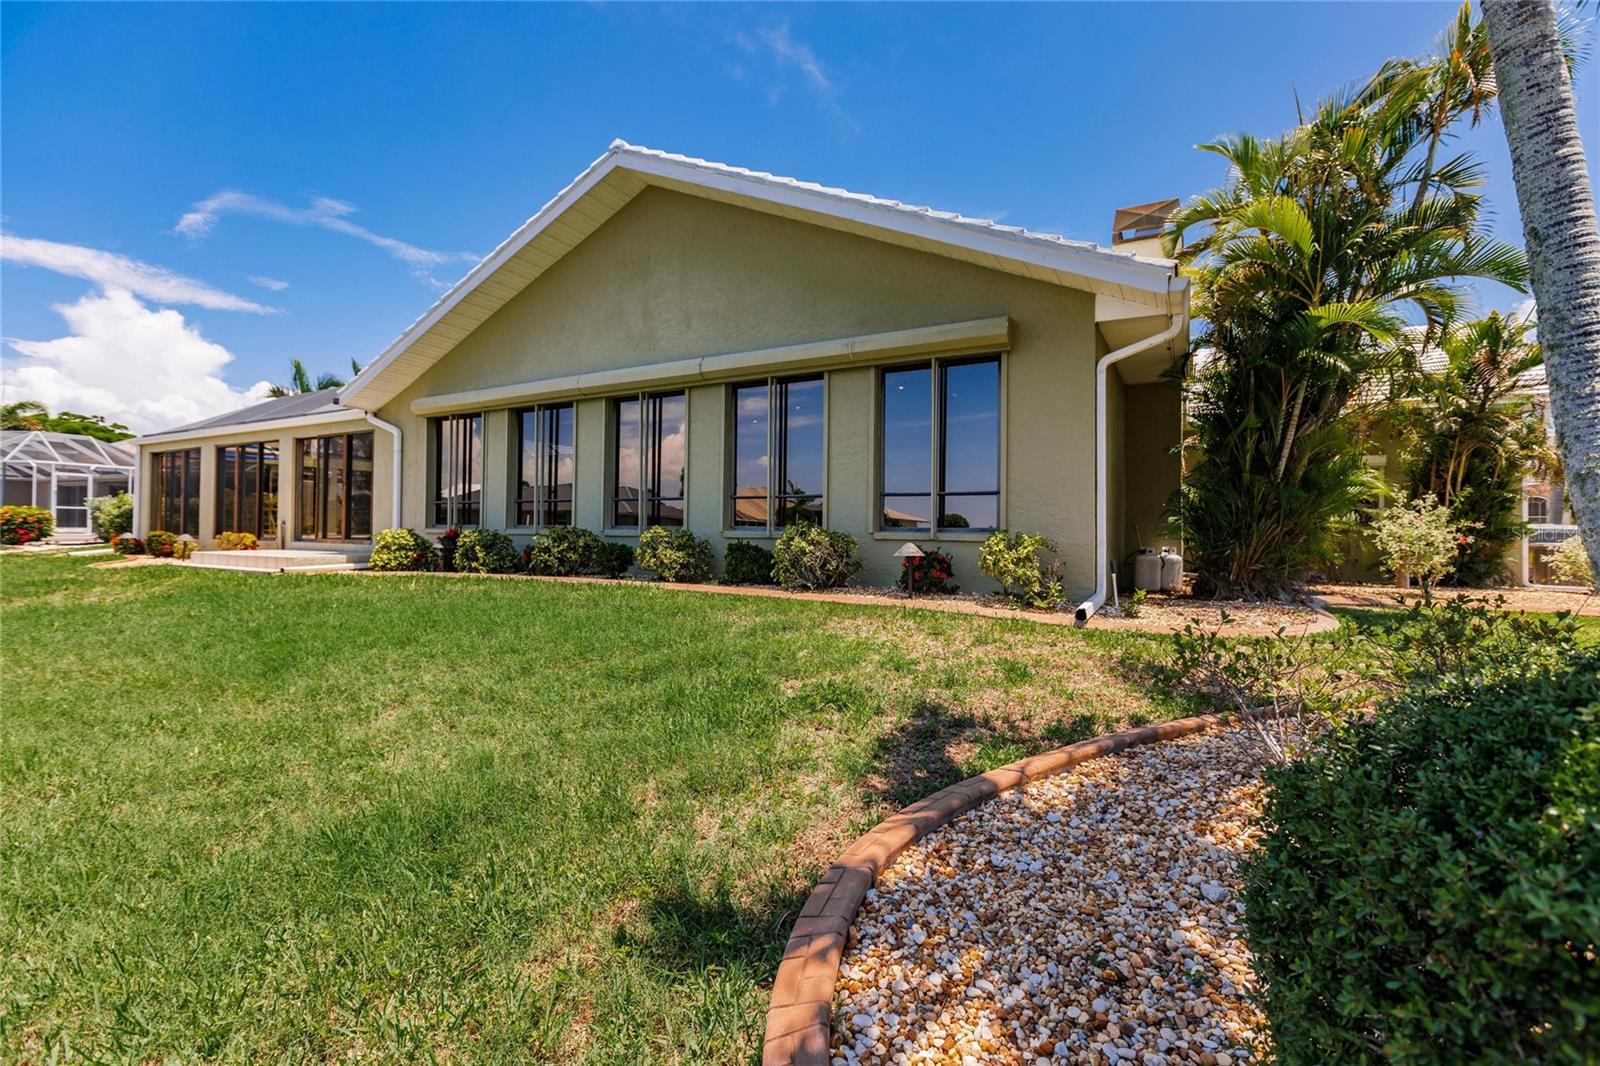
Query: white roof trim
column 244, row 429
column 1117, row 270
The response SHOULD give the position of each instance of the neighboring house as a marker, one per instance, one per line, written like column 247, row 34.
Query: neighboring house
column 677, row 342
column 62, row 472
column 1545, row 505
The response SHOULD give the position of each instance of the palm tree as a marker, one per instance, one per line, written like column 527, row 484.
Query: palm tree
column 24, row 414
column 1471, row 434
column 300, row 381
column 1559, row 227
column 1303, row 266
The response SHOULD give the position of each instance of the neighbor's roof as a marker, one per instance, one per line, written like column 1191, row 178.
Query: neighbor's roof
column 62, row 449
column 611, row 181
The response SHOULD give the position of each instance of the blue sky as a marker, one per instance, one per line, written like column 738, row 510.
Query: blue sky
column 313, row 175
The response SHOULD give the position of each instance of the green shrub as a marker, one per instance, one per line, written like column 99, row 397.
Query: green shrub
column 229, row 541
column 111, row 515
column 182, row 549
column 744, row 563
column 612, row 558
column 485, row 551
column 1027, row 565
column 160, row 543
column 1569, row 564
column 562, row 551
column 127, row 544
column 402, row 549
column 807, row 556
column 1417, row 538
column 1426, row 889
column 24, row 525
column 675, row 554
column 928, row 573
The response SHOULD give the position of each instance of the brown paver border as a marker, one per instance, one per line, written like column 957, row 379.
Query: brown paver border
column 799, row 1017
column 1321, row 621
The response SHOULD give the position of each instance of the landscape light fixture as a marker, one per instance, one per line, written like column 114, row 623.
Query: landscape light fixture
column 909, row 550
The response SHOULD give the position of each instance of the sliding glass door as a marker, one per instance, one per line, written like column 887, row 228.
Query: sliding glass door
column 335, row 487
column 247, row 489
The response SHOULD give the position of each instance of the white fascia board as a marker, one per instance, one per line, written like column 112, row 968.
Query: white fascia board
column 982, row 334
column 237, row 428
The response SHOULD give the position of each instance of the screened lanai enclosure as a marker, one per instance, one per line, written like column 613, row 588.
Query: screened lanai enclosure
column 62, row 472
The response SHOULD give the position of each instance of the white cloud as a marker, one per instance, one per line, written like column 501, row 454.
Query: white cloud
column 791, row 57
column 110, row 270
column 274, row 284
column 323, row 212
column 145, row 367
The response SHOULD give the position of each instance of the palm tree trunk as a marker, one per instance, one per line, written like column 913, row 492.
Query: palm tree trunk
column 1558, row 223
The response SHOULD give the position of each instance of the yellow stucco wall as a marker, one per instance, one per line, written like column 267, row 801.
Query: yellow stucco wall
column 672, row 276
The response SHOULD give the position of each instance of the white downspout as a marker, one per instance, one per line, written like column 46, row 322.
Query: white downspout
column 394, row 491
column 135, row 486
column 1102, row 550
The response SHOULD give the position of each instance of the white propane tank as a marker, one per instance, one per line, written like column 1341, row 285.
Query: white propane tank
column 1147, row 570
column 1171, row 571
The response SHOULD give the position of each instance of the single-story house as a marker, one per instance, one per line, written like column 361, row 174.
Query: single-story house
column 679, row 342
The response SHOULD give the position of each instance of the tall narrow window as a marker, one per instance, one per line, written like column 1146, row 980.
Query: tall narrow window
column 545, row 466
column 335, row 498
column 648, row 466
column 457, row 470
column 939, row 459
column 177, row 500
column 247, row 489
column 777, row 453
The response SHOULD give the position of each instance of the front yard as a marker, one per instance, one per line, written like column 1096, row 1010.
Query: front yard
column 305, row 818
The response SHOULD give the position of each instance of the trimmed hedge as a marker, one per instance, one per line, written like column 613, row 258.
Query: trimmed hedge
column 1428, row 890
column 24, row 525
column 402, row 549
column 563, row 551
column 807, row 556
column 744, row 563
column 612, row 558
column 675, row 554
column 485, row 551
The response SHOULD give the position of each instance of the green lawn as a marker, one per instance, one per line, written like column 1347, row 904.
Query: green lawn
column 408, row 818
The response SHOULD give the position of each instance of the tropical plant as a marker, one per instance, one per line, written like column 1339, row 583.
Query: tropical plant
column 24, row 414
column 806, row 556
column 1532, row 68
column 675, row 554
column 744, row 563
column 485, row 551
column 1027, row 565
column 1303, row 265
column 25, row 525
column 402, row 549
column 928, row 573
column 110, row 515
column 562, row 551
column 300, row 381
column 1471, row 434
column 32, row 415
column 1418, row 537
column 161, row 543
column 1569, row 564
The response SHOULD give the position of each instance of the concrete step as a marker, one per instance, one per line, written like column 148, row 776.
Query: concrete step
column 272, row 559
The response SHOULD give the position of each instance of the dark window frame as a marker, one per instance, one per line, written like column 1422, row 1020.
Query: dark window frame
column 938, row 438
column 777, row 455
column 234, row 519
column 186, row 462
column 320, row 469
column 537, row 499
column 454, row 511
column 648, row 499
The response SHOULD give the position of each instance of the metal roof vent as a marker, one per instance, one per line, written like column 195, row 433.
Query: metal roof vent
column 1142, row 223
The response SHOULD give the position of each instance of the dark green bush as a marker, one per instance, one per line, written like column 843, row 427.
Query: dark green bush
column 675, row 554
column 402, row 549
column 807, row 556
column 1428, row 890
column 744, row 563
column 485, row 551
column 612, row 558
column 563, row 551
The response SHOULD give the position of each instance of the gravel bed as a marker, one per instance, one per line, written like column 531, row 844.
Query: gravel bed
column 1092, row 917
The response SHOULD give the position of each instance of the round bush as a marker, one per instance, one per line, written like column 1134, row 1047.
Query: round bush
column 485, row 551
column 111, row 515
column 810, row 557
column 930, row 573
column 612, row 559
column 25, row 525
column 563, row 551
column 127, row 544
column 160, row 543
column 402, row 549
column 744, row 563
column 675, row 554
column 1427, row 888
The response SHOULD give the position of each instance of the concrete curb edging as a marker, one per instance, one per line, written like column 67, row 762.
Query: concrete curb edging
column 799, row 1015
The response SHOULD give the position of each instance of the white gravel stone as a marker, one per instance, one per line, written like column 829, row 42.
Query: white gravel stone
column 1091, row 918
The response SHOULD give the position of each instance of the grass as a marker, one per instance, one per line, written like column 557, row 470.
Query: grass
column 323, row 817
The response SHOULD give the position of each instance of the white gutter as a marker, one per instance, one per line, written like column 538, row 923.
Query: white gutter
column 1102, row 550
column 394, row 491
